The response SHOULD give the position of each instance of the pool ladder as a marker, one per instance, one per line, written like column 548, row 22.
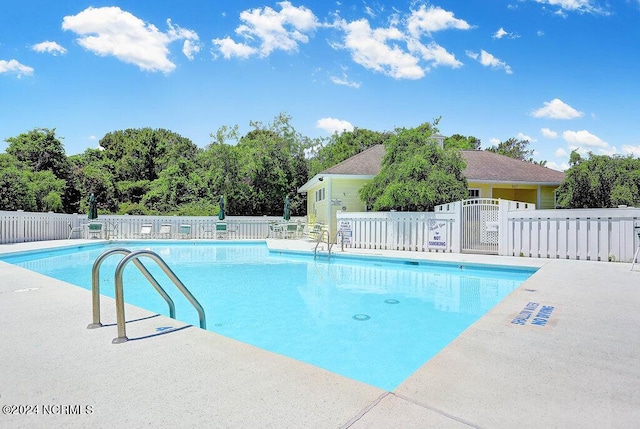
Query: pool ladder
column 329, row 244
column 134, row 256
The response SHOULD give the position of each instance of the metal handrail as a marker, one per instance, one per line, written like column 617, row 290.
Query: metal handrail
column 122, row 334
column 95, row 285
column 329, row 245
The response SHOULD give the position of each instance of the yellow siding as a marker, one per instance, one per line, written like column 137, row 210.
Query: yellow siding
column 485, row 188
column 344, row 192
column 524, row 193
column 547, row 197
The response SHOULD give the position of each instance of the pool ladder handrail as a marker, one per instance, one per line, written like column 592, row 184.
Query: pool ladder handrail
column 329, row 244
column 133, row 256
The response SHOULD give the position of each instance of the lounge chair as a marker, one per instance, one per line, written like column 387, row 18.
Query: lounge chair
column 184, row 231
column 145, row 230
column 316, row 231
column 165, row 231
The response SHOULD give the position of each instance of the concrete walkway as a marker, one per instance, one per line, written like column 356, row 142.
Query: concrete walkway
column 573, row 361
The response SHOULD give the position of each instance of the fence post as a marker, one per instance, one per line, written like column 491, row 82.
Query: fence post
column 503, row 227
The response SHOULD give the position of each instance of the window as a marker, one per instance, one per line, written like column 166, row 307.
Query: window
column 320, row 194
column 474, row 193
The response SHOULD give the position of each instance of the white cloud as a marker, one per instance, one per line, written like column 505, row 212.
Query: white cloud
column 521, row 136
column 344, row 80
column 282, row 30
column 584, row 138
column 50, row 47
column 14, row 67
column 112, row 31
column 435, row 54
column 370, row 48
column 581, row 6
column 561, row 152
column 558, row 167
column 332, row 125
column 190, row 48
column 631, row 150
column 556, row 109
column 503, row 33
column 550, row 134
column 494, row 141
column 488, row 60
column 432, row 19
column 229, row 48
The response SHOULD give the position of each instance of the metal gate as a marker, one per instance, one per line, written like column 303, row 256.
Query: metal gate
column 480, row 225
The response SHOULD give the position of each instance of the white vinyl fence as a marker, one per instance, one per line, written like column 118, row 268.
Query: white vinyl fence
column 586, row 234
column 519, row 229
column 416, row 231
column 18, row 226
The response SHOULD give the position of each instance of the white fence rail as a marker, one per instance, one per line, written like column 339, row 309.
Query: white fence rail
column 18, row 226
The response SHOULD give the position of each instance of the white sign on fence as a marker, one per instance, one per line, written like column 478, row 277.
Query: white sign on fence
column 437, row 234
column 346, row 232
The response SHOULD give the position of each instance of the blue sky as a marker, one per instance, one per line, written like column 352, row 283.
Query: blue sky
column 561, row 73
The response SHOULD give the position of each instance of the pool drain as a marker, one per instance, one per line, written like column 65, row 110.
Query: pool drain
column 361, row 317
column 391, row 301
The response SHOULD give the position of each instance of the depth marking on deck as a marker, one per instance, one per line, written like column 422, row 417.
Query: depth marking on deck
column 529, row 316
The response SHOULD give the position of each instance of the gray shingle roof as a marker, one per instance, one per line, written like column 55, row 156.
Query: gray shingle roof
column 365, row 163
column 482, row 166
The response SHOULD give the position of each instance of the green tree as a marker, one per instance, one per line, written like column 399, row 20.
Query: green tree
column 343, row 146
column 416, row 174
column 515, row 148
column 47, row 191
column 600, row 181
column 15, row 192
column 40, row 151
column 461, row 142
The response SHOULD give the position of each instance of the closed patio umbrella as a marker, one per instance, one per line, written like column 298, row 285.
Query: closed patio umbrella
column 93, row 208
column 287, row 208
column 221, row 204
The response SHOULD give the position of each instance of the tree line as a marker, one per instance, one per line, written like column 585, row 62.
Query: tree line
column 156, row 171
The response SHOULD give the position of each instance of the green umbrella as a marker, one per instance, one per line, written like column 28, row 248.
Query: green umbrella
column 221, row 204
column 93, row 208
column 287, row 209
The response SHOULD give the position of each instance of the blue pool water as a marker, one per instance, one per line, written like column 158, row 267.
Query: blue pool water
column 370, row 319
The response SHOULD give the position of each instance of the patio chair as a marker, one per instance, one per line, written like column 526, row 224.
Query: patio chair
column 291, row 231
column 74, row 229
column 275, row 230
column 145, row 230
column 95, row 230
column 221, row 230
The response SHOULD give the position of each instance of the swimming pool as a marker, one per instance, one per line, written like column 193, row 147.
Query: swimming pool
column 371, row 319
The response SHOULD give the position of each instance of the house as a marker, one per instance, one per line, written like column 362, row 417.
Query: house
column 489, row 175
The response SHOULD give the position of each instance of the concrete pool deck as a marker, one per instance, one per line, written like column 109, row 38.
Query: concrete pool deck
column 580, row 368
